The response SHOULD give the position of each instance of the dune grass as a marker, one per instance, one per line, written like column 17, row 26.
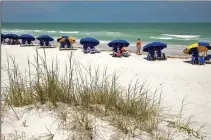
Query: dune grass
column 90, row 89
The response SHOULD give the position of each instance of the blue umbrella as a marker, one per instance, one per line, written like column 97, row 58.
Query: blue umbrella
column 89, row 40
column 27, row 37
column 45, row 38
column 151, row 45
column 11, row 36
column 120, row 43
column 205, row 44
column 2, row 36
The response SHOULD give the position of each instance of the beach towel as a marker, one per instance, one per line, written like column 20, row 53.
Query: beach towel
column 118, row 54
column 125, row 54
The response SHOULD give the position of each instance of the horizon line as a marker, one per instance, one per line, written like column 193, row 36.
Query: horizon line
column 110, row 22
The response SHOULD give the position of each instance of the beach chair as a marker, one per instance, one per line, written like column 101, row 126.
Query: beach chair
column 201, row 60
column 159, row 55
column 164, row 56
column 85, row 49
column 92, row 49
column 69, row 45
column 23, row 42
column 114, row 49
column 47, row 44
column 41, row 43
column 193, row 60
column 151, row 55
column 3, row 40
column 29, row 42
column 207, row 59
column 62, row 45
column 195, row 57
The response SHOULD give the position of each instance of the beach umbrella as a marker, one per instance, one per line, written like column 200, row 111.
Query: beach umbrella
column 11, row 36
column 2, row 36
column 89, row 40
column 151, row 45
column 27, row 37
column 200, row 47
column 45, row 38
column 71, row 40
column 66, row 37
column 120, row 43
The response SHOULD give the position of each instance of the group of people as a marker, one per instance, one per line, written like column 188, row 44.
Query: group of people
column 121, row 52
column 125, row 53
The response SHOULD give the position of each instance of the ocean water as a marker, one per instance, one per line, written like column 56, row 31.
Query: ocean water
column 176, row 35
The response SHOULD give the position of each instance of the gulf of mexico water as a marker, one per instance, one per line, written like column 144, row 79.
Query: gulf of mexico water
column 176, row 35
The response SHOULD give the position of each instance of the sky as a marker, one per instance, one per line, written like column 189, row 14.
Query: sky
column 106, row 11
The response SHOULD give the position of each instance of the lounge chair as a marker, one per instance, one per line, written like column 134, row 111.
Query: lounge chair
column 69, row 45
column 159, row 54
column 3, row 40
column 207, row 59
column 41, row 43
column 114, row 49
column 201, row 60
column 62, row 45
column 85, row 49
column 47, row 44
column 23, row 42
column 194, row 60
column 29, row 42
column 151, row 55
column 92, row 49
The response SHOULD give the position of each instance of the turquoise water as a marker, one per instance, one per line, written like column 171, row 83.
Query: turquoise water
column 170, row 33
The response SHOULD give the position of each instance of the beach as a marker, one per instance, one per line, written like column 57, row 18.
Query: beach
column 177, row 36
column 176, row 78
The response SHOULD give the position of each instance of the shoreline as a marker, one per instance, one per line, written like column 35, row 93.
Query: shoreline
column 56, row 45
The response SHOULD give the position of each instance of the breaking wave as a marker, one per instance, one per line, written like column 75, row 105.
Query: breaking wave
column 182, row 36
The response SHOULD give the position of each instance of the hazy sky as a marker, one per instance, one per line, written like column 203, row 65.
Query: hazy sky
column 106, row 11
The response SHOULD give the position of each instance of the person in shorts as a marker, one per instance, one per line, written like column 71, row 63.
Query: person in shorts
column 138, row 45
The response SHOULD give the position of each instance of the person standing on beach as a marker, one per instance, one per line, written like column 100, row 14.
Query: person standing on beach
column 138, row 45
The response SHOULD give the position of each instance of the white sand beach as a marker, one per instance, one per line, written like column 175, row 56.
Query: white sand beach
column 177, row 78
